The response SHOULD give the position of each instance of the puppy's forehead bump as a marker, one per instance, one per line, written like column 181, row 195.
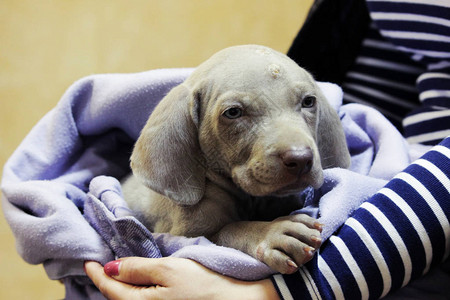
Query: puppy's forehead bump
column 263, row 51
column 274, row 70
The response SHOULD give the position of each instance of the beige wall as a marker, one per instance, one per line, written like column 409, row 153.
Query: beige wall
column 47, row 45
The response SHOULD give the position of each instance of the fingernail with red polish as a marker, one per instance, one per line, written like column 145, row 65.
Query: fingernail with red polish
column 112, row 268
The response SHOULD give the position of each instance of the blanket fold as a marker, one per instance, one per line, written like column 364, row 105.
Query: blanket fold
column 108, row 213
column 62, row 197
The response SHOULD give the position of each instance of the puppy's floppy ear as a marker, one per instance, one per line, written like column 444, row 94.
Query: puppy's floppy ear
column 167, row 156
column 331, row 139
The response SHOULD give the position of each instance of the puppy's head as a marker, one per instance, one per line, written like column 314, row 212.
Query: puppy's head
column 249, row 114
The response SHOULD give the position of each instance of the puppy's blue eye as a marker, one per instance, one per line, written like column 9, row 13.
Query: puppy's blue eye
column 233, row 113
column 309, row 101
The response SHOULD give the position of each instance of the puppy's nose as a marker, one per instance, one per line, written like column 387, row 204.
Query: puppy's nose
column 299, row 161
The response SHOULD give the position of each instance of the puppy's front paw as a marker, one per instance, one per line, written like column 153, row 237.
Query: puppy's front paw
column 289, row 242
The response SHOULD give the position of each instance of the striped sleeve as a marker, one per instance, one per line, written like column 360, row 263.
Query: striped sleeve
column 395, row 237
column 383, row 77
column 421, row 29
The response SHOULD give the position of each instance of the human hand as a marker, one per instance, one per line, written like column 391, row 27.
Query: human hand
column 171, row 278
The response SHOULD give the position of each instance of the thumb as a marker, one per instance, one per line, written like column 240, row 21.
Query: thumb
column 136, row 270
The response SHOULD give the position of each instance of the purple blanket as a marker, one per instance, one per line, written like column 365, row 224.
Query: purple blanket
column 62, row 197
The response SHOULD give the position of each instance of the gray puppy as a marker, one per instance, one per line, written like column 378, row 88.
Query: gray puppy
column 249, row 128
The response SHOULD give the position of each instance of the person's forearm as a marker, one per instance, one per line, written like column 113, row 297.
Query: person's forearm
column 258, row 290
column 391, row 239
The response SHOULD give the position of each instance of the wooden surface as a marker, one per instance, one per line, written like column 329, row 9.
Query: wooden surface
column 46, row 45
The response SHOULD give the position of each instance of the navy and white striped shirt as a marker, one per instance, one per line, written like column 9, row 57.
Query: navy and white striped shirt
column 403, row 230
column 393, row 238
column 406, row 53
column 383, row 78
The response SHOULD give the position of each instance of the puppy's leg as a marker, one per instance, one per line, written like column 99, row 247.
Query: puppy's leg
column 283, row 244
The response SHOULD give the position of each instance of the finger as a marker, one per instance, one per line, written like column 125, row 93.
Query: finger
column 140, row 271
column 110, row 288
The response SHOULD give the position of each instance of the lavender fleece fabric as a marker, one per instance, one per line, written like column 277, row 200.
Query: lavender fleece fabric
column 62, row 195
